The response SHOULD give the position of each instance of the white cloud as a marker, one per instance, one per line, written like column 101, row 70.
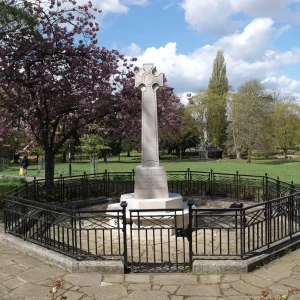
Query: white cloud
column 207, row 15
column 224, row 16
column 181, row 70
column 250, row 43
column 248, row 54
column 115, row 6
column 112, row 6
column 258, row 7
column 132, row 50
column 170, row 4
column 135, row 2
column 184, row 97
column 289, row 85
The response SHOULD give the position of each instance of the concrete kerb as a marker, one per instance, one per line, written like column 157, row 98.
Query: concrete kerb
column 60, row 260
column 242, row 266
column 117, row 266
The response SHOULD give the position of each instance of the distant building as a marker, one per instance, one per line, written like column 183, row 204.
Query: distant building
column 213, row 152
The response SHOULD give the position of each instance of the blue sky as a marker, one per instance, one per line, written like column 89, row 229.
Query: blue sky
column 260, row 39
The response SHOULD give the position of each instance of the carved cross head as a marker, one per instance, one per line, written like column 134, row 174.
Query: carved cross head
column 148, row 77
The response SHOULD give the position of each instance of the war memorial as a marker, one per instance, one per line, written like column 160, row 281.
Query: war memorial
column 149, row 220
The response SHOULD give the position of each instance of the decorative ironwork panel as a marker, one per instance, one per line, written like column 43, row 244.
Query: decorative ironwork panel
column 157, row 242
column 217, row 232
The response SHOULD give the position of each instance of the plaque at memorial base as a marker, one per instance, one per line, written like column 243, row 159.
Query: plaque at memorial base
column 150, row 182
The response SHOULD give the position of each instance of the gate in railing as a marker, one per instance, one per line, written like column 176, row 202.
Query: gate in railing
column 157, row 242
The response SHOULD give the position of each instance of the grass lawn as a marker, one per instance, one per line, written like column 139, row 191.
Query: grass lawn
column 7, row 184
column 287, row 170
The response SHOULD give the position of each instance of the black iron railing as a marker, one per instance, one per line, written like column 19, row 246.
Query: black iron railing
column 187, row 183
column 49, row 214
column 247, row 230
column 82, row 234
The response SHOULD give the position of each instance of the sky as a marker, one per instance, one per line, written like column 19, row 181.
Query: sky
column 260, row 39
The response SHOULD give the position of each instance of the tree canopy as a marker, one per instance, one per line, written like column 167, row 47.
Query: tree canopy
column 218, row 82
column 15, row 18
column 216, row 97
column 124, row 121
column 54, row 86
column 286, row 121
column 250, row 113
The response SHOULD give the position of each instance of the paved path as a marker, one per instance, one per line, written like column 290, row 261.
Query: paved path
column 25, row 277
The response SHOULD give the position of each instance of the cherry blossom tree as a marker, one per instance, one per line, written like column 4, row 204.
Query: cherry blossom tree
column 57, row 84
column 13, row 18
column 125, row 122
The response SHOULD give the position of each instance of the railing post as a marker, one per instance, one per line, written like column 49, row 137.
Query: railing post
column 292, row 189
column 237, row 185
column 291, row 209
column 211, row 184
column 278, row 187
column 189, row 182
column 133, row 179
column 26, row 192
column 190, row 234
column 268, row 214
column 84, row 186
column 267, row 187
column 243, row 231
column 106, row 183
column 124, row 229
column 74, row 230
column 35, row 188
column 61, row 187
column 5, row 212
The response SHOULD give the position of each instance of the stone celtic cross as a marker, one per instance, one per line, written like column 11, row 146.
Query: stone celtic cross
column 148, row 80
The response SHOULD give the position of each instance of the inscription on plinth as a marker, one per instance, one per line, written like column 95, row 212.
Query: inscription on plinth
column 151, row 183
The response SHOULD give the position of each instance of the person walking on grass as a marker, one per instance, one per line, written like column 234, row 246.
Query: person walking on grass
column 25, row 164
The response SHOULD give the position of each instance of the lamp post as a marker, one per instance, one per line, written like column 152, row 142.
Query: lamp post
column 70, row 160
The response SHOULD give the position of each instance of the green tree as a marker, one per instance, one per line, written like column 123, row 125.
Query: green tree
column 209, row 112
column 197, row 108
column 216, row 102
column 169, row 138
column 286, row 120
column 182, row 136
column 127, row 146
column 250, row 118
column 91, row 142
column 188, row 132
column 218, row 82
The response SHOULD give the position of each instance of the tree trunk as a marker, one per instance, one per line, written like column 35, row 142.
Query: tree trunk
column 249, row 157
column 49, row 167
column 285, row 152
column 238, row 154
column 128, row 153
